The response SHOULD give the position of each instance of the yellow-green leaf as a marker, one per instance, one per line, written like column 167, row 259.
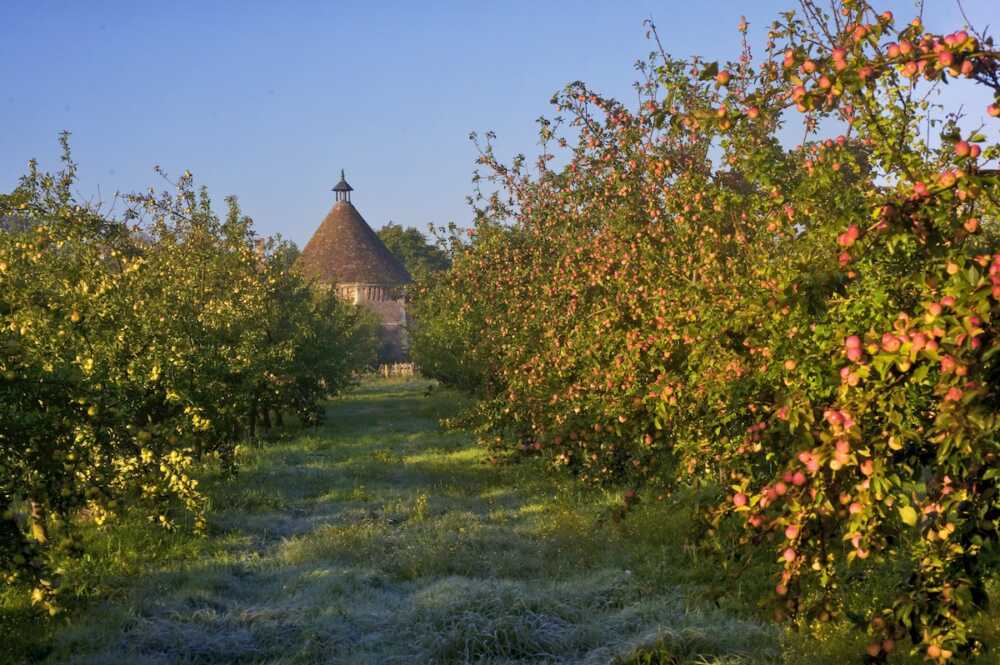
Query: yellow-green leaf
column 909, row 515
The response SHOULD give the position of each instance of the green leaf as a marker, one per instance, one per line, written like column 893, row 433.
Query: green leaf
column 711, row 69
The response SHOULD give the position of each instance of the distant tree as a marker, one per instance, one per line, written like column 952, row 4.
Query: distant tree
column 410, row 246
column 284, row 252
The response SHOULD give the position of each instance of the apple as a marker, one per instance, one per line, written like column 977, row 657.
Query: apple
column 948, row 364
column 890, row 343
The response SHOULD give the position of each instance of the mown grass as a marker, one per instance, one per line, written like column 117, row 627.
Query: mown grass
column 378, row 538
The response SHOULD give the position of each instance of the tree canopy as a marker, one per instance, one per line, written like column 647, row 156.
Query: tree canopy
column 410, row 246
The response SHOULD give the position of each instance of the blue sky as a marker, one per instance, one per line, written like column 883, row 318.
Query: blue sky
column 268, row 101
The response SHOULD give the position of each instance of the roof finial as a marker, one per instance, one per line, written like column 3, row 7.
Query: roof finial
column 343, row 190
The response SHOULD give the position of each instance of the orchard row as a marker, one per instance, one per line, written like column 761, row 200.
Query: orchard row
column 805, row 335
column 133, row 348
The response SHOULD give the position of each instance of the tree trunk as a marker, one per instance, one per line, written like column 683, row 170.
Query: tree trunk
column 252, row 418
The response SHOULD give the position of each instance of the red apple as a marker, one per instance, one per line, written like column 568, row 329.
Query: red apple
column 948, row 364
column 890, row 343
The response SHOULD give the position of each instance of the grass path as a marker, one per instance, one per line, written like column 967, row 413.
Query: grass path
column 380, row 539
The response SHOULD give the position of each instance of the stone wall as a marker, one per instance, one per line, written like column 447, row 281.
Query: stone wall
column 387, row 302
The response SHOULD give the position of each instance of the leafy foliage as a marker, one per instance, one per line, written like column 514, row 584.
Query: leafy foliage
column 808, row 336
column 133, row 348
column 421, row 258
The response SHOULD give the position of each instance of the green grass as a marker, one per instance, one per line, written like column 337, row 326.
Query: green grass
column 378, row 538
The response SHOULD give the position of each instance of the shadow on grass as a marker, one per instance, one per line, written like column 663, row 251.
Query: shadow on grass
column 378, row 538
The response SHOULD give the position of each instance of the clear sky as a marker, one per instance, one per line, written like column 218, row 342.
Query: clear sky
column 269, row 100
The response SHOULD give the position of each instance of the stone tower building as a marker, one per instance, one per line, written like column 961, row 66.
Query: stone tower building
column 346, row 254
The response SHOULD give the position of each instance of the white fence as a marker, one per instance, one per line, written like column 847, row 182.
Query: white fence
column 396, row 369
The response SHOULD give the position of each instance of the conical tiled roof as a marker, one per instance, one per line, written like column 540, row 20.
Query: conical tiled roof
column 345, row 250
